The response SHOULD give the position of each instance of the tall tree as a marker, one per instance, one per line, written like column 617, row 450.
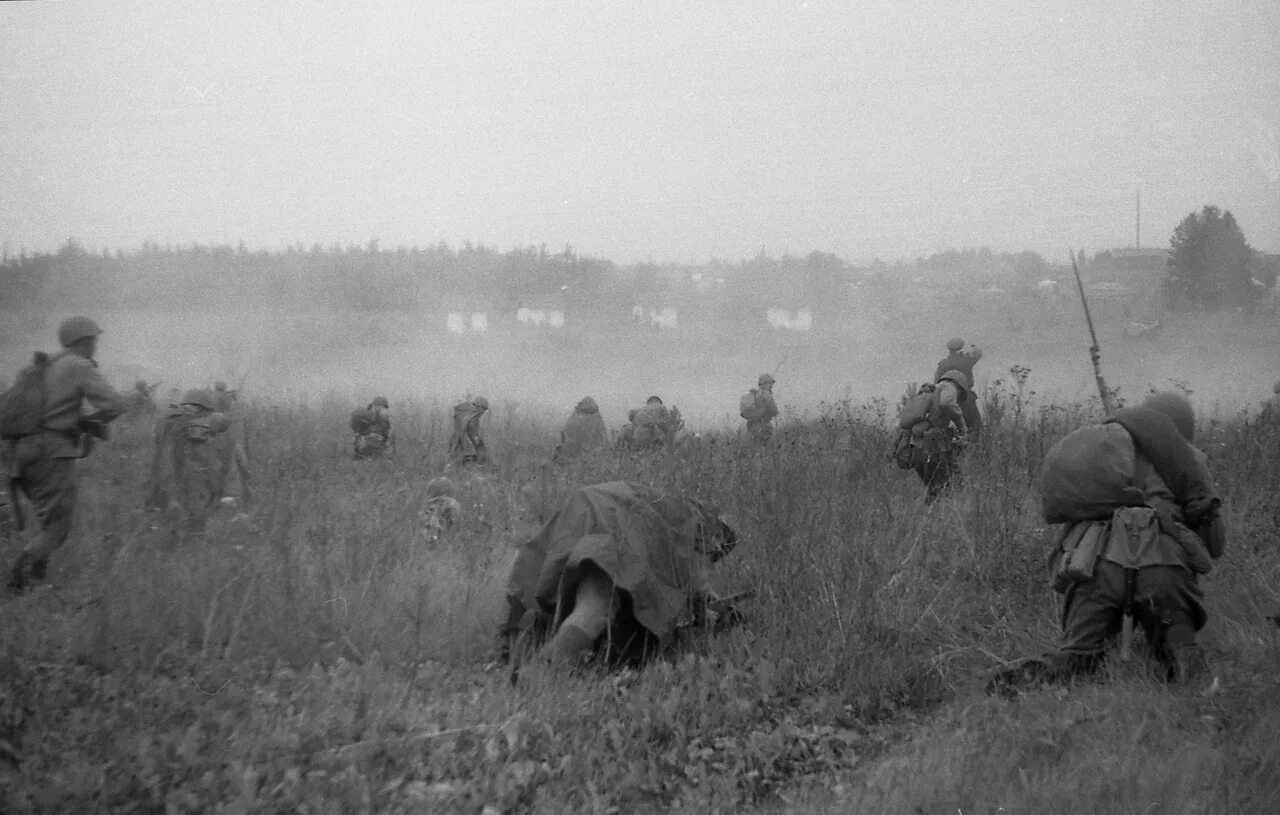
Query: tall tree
column 1209, row 262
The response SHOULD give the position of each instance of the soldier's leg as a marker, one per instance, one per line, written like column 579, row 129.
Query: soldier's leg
column 1168, row 605
column 1091, row 614
column 50, row 485
column 591, row 615
column 972, row 418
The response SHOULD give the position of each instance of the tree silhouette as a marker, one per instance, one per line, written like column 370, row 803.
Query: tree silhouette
column 1209, row 262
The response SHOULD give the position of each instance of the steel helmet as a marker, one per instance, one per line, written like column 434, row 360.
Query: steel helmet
column 955, row 344
column 441, row 486
column 957, row 377
column 76, row 328
column 765, row 379
column 1176, row 407
column 199, row 397
column 141, row 386
column 380, row 401
column 481, row 402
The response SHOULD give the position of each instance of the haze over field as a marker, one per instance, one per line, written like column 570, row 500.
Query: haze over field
column 663, row 131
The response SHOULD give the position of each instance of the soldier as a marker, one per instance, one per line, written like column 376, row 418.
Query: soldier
column 651, row 427
column 759, row 409
column 582, row 433
column 372, row 428
column 1142, row 559
column 619, row 566
column 140, row 398
column 940, row 435
column 223, row 398
column 962, row 357
column 40, row 461
column 191, row 460
column 442, row 510
column 466, row 446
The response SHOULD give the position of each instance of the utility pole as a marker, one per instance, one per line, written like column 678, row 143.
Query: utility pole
column 1138, row 225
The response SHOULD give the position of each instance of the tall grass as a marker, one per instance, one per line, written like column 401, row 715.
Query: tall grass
column 326, row 653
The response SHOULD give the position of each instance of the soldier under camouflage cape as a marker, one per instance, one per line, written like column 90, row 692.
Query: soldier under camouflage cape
column 654, row 547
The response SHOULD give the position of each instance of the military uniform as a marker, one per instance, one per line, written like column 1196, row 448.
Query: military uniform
column 41, row 465
column 372, row 439
column 191, row 462
column 652, row 426
column 763, row 410
column 582, row 433
column 1147, row 562
column 466, row 445
column 937, row 439
column 963, row 358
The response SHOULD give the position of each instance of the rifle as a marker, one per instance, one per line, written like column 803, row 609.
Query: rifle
column 1095, row 355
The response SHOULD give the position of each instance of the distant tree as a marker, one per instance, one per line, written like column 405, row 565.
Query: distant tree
column 1209, row 262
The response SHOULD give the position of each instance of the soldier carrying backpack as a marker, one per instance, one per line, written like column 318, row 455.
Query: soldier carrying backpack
column 372, row 429
column 932, row 432
column 759, row 409
column 1139, row 520
column 44, row 429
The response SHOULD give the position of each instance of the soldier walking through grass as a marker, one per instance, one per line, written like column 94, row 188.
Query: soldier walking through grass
column 1140, row 521
column 962, row 357
column 45, row 429
column 191, row 460
column 372, row 429
column 759, row 409
column 651, row 427
column 936, row 439
column 466, row 445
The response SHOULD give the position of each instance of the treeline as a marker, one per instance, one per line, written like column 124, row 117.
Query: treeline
column 370, row 278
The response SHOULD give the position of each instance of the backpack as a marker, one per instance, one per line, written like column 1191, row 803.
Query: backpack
column 1088, row 474
column 22, row 405
column 747, row 406
column 362, row 421
column 916, row 408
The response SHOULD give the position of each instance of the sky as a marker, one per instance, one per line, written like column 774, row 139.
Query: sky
column 653, row 131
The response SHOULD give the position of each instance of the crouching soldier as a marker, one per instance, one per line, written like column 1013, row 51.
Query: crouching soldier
column 372, row 429
column 1140, row 520
column 43, row 430
column 582, row 433
column 466, row 445
column 616, row 571
column 442, row 510
column 651, row 427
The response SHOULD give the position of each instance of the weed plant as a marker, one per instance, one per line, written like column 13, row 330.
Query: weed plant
column 325, row 653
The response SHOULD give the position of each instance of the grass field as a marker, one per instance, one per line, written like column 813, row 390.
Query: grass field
column 324, row 654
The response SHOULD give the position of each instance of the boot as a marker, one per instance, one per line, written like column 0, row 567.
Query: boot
column 570, row 645
column 1186, row 663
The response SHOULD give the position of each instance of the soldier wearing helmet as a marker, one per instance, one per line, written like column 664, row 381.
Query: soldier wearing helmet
column 466, row 445
column 1147, row 557
column 940, row 436
column 140, row 398
column 191, row 460
column 372, row 428
column 652, row 426
column 582, row 433
column 442, row 510
column 962, row 356
column 759, row 409
column 41, row 463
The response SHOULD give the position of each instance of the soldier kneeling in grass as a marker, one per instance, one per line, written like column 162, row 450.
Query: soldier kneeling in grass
column 1139, row 520
column 617, row 572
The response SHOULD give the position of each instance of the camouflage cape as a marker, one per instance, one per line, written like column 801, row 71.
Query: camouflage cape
column 655, row 546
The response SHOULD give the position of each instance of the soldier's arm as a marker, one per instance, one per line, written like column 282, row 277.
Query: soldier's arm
column 107, row 402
